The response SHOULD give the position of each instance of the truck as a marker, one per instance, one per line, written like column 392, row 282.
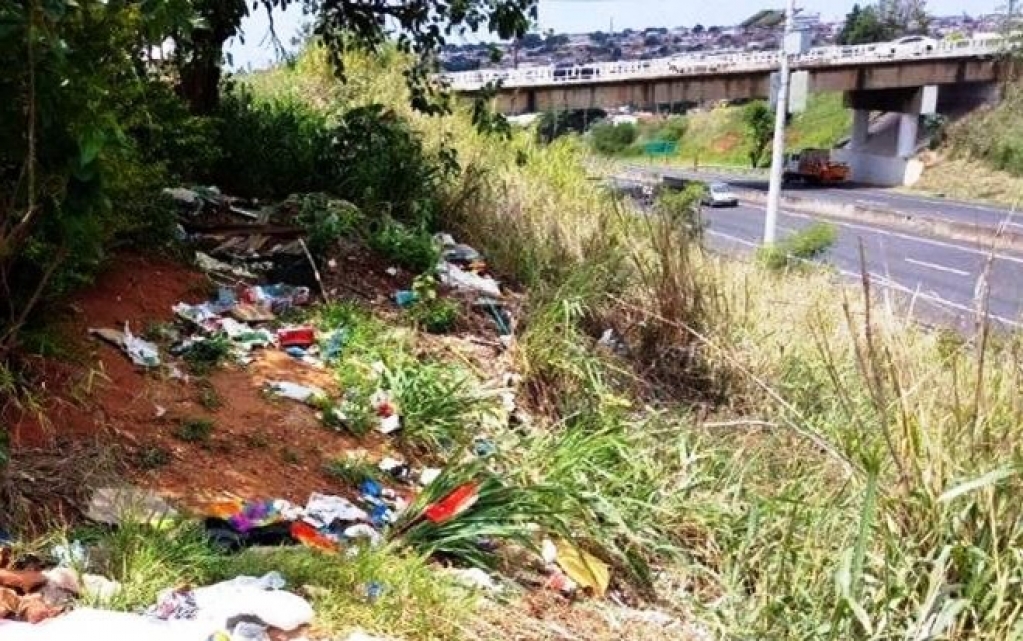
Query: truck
column 814, row 166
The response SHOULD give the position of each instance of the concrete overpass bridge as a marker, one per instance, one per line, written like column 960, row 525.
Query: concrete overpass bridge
column 909, row 79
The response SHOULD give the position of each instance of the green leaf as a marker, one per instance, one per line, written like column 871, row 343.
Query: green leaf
column 991, row 478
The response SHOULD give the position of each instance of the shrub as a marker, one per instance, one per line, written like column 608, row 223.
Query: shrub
column 194, row 430
column 610, row 139
column 436, row 316
column 326, row 220
column 673, row 130
column 799, row 248
column 412, row 248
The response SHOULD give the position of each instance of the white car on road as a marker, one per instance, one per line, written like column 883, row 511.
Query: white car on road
column 720, row 195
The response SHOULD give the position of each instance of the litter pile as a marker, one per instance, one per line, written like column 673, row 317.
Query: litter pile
column 242, row 609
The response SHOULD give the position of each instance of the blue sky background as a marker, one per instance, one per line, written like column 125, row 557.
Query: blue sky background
column 574, row 16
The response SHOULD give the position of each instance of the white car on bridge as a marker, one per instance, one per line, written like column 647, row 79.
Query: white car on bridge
column 911, row 46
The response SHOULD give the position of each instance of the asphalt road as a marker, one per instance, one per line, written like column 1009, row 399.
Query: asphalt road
column 872, row 197
column 938, row 278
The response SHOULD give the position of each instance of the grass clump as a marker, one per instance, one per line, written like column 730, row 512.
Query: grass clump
column 437, row 315
column 208, row 354
column 799, row 248
column 194, row 430
column 353, row 470
column 439, row 405
column 412, row 248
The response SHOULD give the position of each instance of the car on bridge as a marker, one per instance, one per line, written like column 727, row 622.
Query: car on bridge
column 911, row 46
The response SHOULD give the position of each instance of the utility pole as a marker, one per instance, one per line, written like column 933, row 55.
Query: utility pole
column 778, row 150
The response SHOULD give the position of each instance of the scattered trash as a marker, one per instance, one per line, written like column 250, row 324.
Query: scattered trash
column 454, row 503
column 405, row 297
column 160, row 411
column 389, row 424
column 331, row 347
column 373, row 591
column 582, row 567
column 429, row 475
column 474, row 578
column 384, row 407
column 296, row 336
column 457, row 278
column 302, row 393
column 363, row 531
column 483, row 447
column 211, row 265
column 613, row 341
column 391, row 271
column 141, row 352
column 70, row 555
column 114, row 506
column 323, row 510
column 100, row 588
column 276, row 298
column 397, row 469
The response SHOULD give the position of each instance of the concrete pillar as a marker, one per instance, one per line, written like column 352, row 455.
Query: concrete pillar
column 860, row 129
column 908, row 125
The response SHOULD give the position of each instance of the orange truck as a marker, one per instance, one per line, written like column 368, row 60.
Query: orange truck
column 815, row 166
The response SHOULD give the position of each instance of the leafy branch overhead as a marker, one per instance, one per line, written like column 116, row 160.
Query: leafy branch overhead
column 419, row 27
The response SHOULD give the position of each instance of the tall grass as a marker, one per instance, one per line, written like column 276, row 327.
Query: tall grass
column 848, row 475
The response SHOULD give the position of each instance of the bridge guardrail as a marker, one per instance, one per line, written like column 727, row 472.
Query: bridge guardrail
column 703, row 64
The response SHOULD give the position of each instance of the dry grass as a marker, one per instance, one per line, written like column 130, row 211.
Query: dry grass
column 970, row 180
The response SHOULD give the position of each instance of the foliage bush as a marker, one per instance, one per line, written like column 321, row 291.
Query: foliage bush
column 610, row 139
column 410, row 247
column 437, row 315
column 673, row 130
column 797, row 249
column 994, row 135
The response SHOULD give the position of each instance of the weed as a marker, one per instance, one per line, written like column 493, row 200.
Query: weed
column 352, row 471
column 412, row 248
column 798, row 249
column 206, row 355
column 257, row 440
column 209, row 398
column 290, row 456
column 502, row 511
column 194, row 430
column 436, row 316
column 327, row 220
column 152, row 457
column 438, row 404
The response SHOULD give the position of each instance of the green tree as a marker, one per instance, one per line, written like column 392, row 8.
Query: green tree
column 759, row 123
column 863, row 26
column 901, row 17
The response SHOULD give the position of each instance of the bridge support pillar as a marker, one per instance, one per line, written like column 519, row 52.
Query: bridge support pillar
column 909, row 127
column 860, row 129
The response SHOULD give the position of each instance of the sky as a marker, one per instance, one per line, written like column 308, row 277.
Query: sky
column 581, row 16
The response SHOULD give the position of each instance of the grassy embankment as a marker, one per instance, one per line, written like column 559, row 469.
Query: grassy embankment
column 774, row 458
column 982, row 157
column 717, row 136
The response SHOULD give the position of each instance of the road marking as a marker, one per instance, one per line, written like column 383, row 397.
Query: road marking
column 888, row 283
column 916, row 239
column 940, row 268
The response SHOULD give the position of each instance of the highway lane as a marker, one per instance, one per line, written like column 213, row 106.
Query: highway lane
column 869, row 197
column 941, row 277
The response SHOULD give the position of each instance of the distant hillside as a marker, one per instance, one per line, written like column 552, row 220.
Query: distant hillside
column 718, row 137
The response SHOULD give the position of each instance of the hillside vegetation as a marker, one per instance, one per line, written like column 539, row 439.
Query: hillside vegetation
column 718, row 136
column 760, row 454
column 981, row 157
column 805, row 464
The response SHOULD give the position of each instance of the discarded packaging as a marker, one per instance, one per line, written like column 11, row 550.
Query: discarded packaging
column 295, row 391
column 323, row 510
column 475, row 578
column 296, row 336
column 457, row 278
column 582, row 567
column 454, row 503
column 114, row 506
column 404, row 297
column 429, row 475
